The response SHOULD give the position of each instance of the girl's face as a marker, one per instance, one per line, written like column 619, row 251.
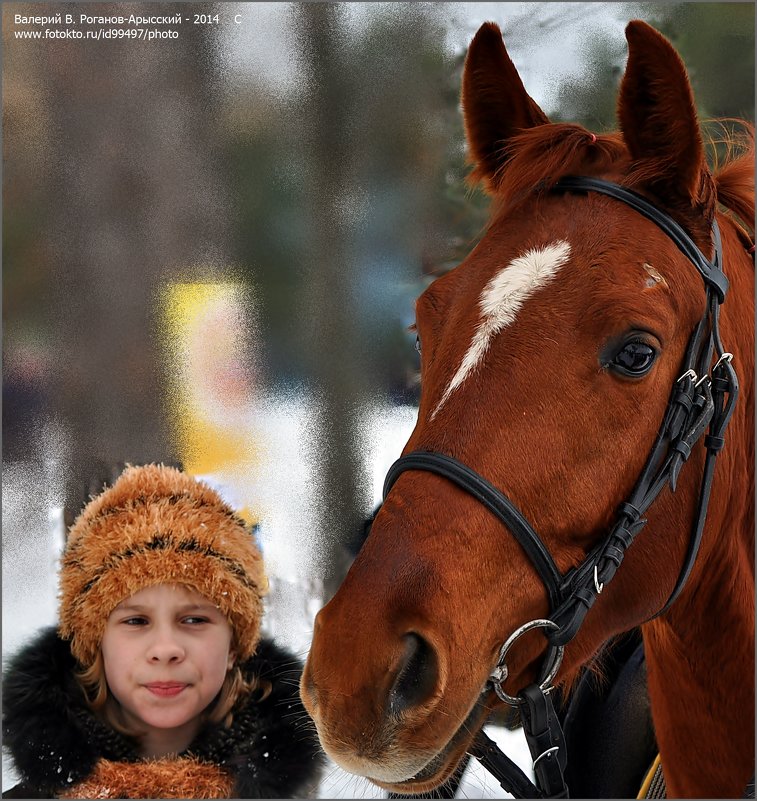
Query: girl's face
column 166, row 651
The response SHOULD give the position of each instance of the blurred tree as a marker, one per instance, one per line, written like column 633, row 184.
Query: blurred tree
column 27, row 144
column 328, row 339
column 130, row 196
column 362, row 142
column 387, row 89
column 334, row 223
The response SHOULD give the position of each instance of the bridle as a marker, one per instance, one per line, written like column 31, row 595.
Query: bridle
column 700, row 405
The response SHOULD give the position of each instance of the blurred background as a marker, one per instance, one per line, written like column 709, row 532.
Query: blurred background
column 212, row 245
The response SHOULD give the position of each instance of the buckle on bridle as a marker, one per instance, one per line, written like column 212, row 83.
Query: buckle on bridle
column 688, row 374
column 548, row 754
column 702, row 380
column 598, row 586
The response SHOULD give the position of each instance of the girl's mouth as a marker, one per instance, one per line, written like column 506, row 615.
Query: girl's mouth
column 165, row 689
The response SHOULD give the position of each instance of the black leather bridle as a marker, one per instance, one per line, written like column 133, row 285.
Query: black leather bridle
column 700, row 405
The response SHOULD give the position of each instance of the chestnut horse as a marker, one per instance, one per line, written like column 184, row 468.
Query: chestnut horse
column 548, row 360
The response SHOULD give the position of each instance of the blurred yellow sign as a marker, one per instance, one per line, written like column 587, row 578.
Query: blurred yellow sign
column 212, row 385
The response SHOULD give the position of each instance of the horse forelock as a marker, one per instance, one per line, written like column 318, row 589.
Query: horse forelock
column 540, row 156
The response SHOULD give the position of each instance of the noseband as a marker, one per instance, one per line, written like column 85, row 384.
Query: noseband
column 700, row 405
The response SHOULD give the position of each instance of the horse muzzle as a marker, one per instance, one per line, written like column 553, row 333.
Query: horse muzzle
column 388, row 718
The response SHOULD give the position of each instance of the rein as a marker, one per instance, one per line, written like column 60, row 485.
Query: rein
column 700, row 405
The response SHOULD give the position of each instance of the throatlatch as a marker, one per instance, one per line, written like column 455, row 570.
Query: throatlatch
column 700, row 405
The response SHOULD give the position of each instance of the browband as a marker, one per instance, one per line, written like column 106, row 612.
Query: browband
column 711, row 271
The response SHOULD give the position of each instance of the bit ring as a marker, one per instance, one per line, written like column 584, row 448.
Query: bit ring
column 500, row 672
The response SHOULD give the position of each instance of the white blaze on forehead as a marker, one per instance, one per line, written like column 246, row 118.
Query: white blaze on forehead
column 503, row 298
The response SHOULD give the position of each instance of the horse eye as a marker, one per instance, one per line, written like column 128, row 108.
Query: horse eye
column 634, row 359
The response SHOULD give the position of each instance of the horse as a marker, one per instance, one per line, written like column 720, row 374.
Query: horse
column 554, row 360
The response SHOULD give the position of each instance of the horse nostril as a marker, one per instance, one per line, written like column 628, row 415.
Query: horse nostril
column 417, row 676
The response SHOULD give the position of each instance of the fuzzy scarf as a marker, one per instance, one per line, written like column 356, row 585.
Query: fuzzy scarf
column 160, row 778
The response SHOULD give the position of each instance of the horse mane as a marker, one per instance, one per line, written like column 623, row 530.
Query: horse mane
column 540, row 156
column 734, row 176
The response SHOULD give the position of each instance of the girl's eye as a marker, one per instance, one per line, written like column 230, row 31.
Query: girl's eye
column 193, row 621
column 635, row 359
column 135, row 621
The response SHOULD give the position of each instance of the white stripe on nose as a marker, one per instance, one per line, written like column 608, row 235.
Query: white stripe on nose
column 503, row 298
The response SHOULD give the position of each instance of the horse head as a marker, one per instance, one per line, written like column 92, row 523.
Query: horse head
column 547, row 361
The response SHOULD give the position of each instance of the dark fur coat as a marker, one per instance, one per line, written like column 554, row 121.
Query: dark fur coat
column 58, row 746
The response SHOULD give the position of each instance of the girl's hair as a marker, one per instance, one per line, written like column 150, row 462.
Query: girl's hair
column 234, row 690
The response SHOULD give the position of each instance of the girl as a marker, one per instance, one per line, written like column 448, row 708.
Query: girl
column 156, row 683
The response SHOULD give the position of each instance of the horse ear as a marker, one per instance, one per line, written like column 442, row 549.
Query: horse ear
column 659, row 120
column 495, row 103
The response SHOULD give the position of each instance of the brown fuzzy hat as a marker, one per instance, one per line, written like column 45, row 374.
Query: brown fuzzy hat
column 157, row 525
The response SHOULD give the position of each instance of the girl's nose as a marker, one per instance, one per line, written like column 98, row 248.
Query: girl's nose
column 165, row 647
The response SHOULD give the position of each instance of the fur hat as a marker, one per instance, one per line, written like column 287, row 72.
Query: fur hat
column 157, row 525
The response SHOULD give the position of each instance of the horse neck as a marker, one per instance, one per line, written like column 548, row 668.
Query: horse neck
column 700, row 655
column 700, row 668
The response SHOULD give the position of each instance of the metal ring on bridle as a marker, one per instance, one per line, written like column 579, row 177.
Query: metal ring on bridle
column 499, row 674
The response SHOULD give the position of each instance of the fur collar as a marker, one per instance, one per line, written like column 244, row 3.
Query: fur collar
column 55, row 741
